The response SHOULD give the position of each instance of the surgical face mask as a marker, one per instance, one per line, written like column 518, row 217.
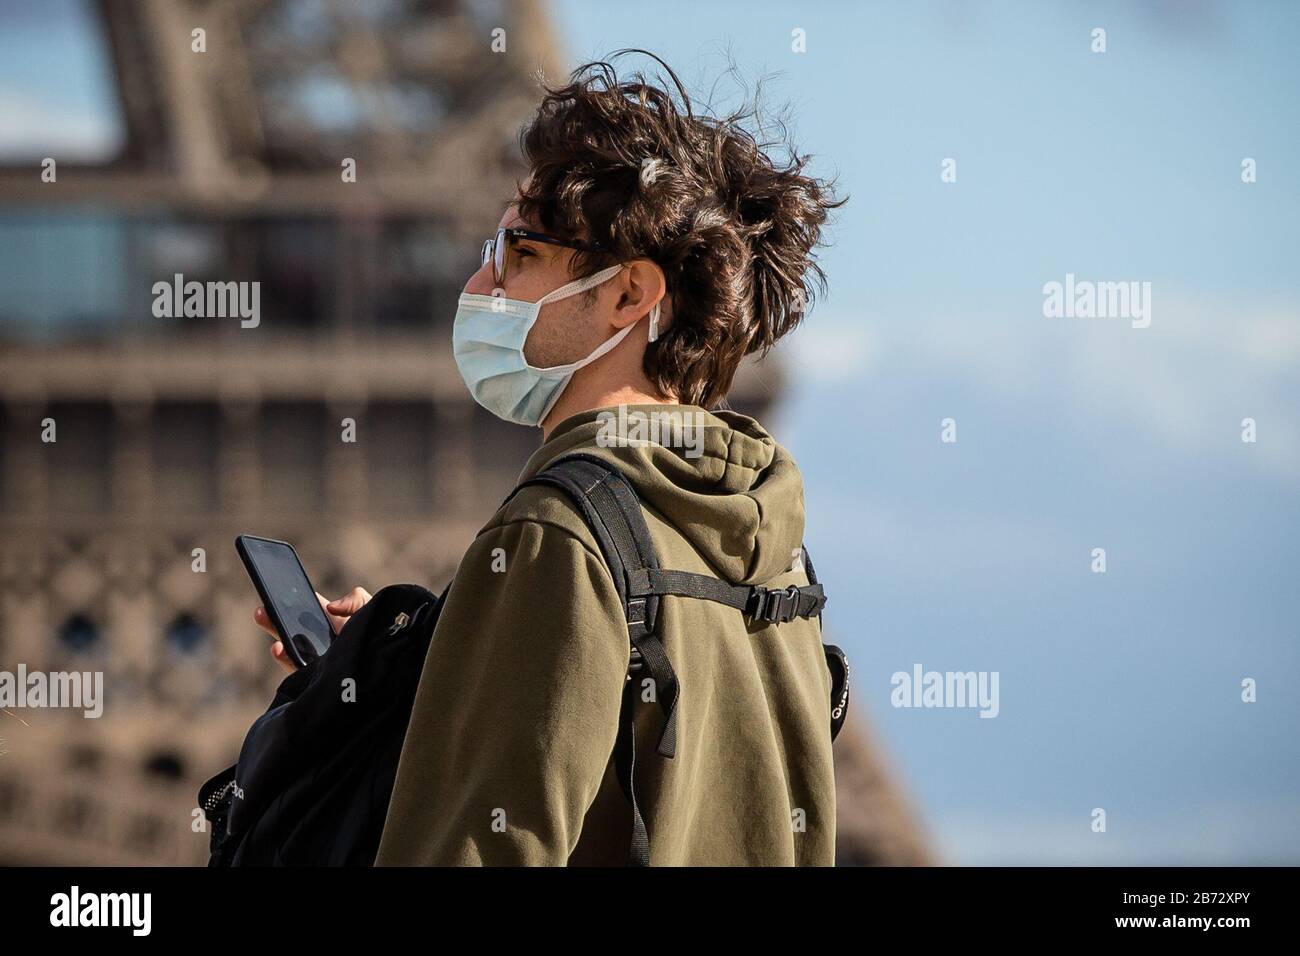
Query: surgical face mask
column 488, row 341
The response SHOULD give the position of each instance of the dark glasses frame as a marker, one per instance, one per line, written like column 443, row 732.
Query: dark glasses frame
column 494, row 249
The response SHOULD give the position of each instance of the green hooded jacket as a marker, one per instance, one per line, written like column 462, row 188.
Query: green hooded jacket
column 507, row 758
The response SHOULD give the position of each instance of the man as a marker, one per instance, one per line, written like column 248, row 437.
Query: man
column 648, row 252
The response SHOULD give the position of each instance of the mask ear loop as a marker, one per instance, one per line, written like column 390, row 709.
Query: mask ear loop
column 579, row 285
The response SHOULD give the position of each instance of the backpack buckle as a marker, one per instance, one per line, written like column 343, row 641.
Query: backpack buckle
column 778, row 606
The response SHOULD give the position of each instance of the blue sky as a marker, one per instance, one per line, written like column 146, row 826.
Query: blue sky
column 1121, row 690
column 72, row 106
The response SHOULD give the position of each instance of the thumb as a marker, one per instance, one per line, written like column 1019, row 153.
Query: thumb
column 350, row 603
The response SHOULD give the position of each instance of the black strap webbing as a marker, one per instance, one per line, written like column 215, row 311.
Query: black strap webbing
column 625, row 769
column 773, row 605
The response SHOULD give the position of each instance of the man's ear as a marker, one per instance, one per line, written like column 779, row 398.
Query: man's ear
column 642, row 285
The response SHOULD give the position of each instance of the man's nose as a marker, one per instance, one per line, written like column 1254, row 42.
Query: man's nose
column 480, row 283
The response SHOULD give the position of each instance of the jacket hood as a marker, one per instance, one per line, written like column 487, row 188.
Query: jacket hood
column 718, row 477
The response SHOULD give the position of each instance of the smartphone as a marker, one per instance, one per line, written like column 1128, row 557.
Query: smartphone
column 288, row 596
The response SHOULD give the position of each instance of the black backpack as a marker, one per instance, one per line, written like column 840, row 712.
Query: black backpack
column 315, row 773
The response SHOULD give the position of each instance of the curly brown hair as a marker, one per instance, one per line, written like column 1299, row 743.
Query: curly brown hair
column 630, row 164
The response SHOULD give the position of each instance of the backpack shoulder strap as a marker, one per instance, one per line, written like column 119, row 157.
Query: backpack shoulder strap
column 612, row 510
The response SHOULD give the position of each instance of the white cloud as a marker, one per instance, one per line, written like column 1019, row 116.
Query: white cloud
column 1188, row 380
column 31, row 128
column 831, row 352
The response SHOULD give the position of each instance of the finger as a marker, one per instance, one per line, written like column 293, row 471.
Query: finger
column 277, row 651
column 263, row 620
column 350, row 603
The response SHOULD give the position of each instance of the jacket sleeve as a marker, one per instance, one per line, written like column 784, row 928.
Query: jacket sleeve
column 517, row 708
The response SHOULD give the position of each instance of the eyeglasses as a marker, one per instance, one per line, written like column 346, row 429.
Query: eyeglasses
column 494, row 250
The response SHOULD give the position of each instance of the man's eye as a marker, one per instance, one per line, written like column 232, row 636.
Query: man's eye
column 523, row 253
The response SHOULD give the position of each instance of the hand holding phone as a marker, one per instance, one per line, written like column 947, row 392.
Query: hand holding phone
column 291, row 604
column 338, row 611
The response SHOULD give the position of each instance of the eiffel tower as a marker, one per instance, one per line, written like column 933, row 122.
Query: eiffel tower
column 235, row 122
